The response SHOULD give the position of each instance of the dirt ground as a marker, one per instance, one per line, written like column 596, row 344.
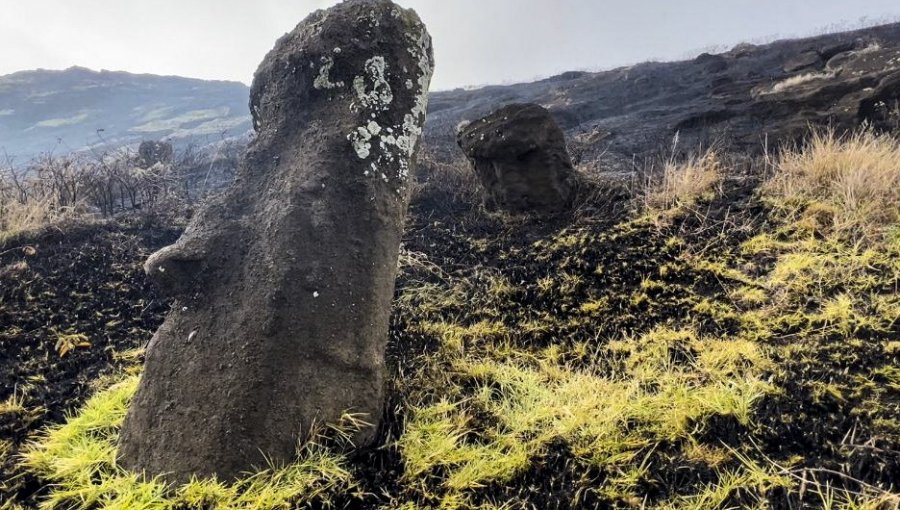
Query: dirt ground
column 84, row 280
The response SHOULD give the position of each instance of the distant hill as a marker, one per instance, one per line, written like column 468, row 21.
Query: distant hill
column 741, row 99
column 63, row 110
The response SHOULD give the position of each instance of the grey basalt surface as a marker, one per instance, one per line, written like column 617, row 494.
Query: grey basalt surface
column 284, row 283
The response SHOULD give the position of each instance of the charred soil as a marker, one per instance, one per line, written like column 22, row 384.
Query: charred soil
column 485, row 305
column 73, row 303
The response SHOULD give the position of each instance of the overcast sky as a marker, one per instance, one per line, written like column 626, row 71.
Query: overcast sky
column 476, row 41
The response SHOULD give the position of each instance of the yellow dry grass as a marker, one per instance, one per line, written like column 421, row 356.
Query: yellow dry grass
column 80, row 458
column 795, row 81
column 849, row 186
column 608, row 421
column 683, row 185
column 33, row 214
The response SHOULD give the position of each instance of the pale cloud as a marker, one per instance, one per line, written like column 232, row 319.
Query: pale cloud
column 476, row 41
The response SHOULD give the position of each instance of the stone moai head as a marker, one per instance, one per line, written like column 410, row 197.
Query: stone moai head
column 519, row 154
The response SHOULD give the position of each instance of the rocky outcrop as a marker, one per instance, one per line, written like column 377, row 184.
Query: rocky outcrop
column 519, row 154
column 806, row 60
column 284, row 283
column 854, row 86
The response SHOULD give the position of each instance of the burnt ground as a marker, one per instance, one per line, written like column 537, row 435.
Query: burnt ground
column 83, row 280
column 88, row 280
column 846, row 440
column 725, row 99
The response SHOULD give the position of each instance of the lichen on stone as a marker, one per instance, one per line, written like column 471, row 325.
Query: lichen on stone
column 379, row 96
column 373, row 94
column 412, row 128
column 323, row 80
column 360, row 140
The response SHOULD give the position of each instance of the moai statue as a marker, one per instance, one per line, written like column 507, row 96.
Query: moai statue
column 283, row 285
column 519, row 154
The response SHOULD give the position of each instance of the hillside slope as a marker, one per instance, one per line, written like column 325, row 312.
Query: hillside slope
column 63, row 110
column 744, row 98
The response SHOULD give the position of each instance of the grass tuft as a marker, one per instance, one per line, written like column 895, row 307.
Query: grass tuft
column 79, row 456
column 846, row 185
column 683, row 185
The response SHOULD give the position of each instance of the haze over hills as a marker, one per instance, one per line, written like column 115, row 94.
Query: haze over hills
column 745, row 98
column 63, row 110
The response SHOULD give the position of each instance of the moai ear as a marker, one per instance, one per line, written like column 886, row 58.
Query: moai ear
column 175, row 269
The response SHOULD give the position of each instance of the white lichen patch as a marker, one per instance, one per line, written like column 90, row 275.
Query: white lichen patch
column 317, row 21
column 392, row 146
column 413, row 121
column 360, row 140
column 323, row 80
column 372, row 88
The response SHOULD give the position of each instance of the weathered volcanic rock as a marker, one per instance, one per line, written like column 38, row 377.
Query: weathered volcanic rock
column 806, row 60
column 284, row 283
column 519, row 154
column 859, row 85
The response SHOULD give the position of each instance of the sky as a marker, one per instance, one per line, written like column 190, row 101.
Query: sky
column 476, row 42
